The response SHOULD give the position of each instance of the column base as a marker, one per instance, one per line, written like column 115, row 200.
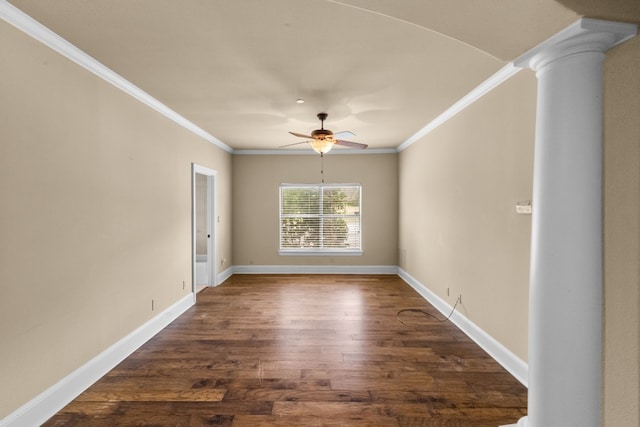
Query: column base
column 521, row 423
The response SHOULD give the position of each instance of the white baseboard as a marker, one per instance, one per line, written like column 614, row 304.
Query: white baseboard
column 521, row 423
column 224, row 275
column 315, row 269
column 48, row 403
column 512, row 363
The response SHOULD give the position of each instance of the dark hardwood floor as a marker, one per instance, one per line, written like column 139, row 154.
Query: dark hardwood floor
column 304, row 350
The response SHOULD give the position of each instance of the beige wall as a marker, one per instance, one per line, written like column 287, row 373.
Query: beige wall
column 458, row 228
column 96, row 215
column 460, row 232
column 256, row 181
column 622, row 236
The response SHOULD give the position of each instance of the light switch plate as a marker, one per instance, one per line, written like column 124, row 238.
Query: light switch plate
column 523, row 209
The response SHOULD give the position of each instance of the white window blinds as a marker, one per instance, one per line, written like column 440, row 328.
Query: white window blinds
column 320, row 218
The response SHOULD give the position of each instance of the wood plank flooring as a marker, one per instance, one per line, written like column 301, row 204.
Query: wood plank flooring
column 304, row 350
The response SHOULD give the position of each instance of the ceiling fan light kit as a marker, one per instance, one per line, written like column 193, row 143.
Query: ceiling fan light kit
column 322, row 140
column 321, row 146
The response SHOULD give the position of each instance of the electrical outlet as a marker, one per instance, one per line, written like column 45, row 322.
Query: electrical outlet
column 153, row 305
column 447, row 291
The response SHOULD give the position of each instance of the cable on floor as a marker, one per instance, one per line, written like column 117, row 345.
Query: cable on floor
column 417, row 310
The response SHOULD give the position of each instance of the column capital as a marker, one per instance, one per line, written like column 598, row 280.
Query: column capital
column 584, row 35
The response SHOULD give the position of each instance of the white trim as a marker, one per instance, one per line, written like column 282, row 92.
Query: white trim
column 49, row 402
column 330, row 185
column 522, row 422
column 212, row 224
column 33, row 28
column 512, row 363
column 482, row 89
column 620, row 31
column 566, row 262
column 315, row 269
column 224, row 275
column 318, row 252
column 355, row 246
column 286, row 152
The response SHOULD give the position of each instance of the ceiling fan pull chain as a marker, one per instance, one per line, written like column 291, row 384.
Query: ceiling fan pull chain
column 322, row 167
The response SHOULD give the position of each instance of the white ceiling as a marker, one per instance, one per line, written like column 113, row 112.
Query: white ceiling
column 382, row 69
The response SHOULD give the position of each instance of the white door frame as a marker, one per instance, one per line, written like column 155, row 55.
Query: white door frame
column 212, row 215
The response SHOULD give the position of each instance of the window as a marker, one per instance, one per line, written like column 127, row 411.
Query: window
column 320, row 219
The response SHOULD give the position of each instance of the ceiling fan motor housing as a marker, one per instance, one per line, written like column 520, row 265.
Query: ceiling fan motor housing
column 322, row 134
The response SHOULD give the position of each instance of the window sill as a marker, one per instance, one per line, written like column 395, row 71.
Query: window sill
column 319, row 253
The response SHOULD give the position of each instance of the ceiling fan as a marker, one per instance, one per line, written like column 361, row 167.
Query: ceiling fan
column 322, row 140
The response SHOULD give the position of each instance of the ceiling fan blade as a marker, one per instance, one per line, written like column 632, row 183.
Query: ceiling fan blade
column 351, row 144
column 344, row 134
column 295, row 143
column 301, row 135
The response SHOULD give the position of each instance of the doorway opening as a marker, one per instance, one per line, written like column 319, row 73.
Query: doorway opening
column 204, row 235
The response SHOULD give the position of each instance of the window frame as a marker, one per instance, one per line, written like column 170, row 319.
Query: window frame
column 320, row 251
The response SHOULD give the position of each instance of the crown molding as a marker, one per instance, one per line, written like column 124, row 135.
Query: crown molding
column 482, row 89
column 33, row 28
column 615, row 32
column 281, row 152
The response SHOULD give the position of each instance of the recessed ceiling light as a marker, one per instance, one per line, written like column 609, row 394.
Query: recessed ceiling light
column 300, row 101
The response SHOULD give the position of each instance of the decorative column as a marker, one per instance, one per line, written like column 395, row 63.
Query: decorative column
column 565, row 308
